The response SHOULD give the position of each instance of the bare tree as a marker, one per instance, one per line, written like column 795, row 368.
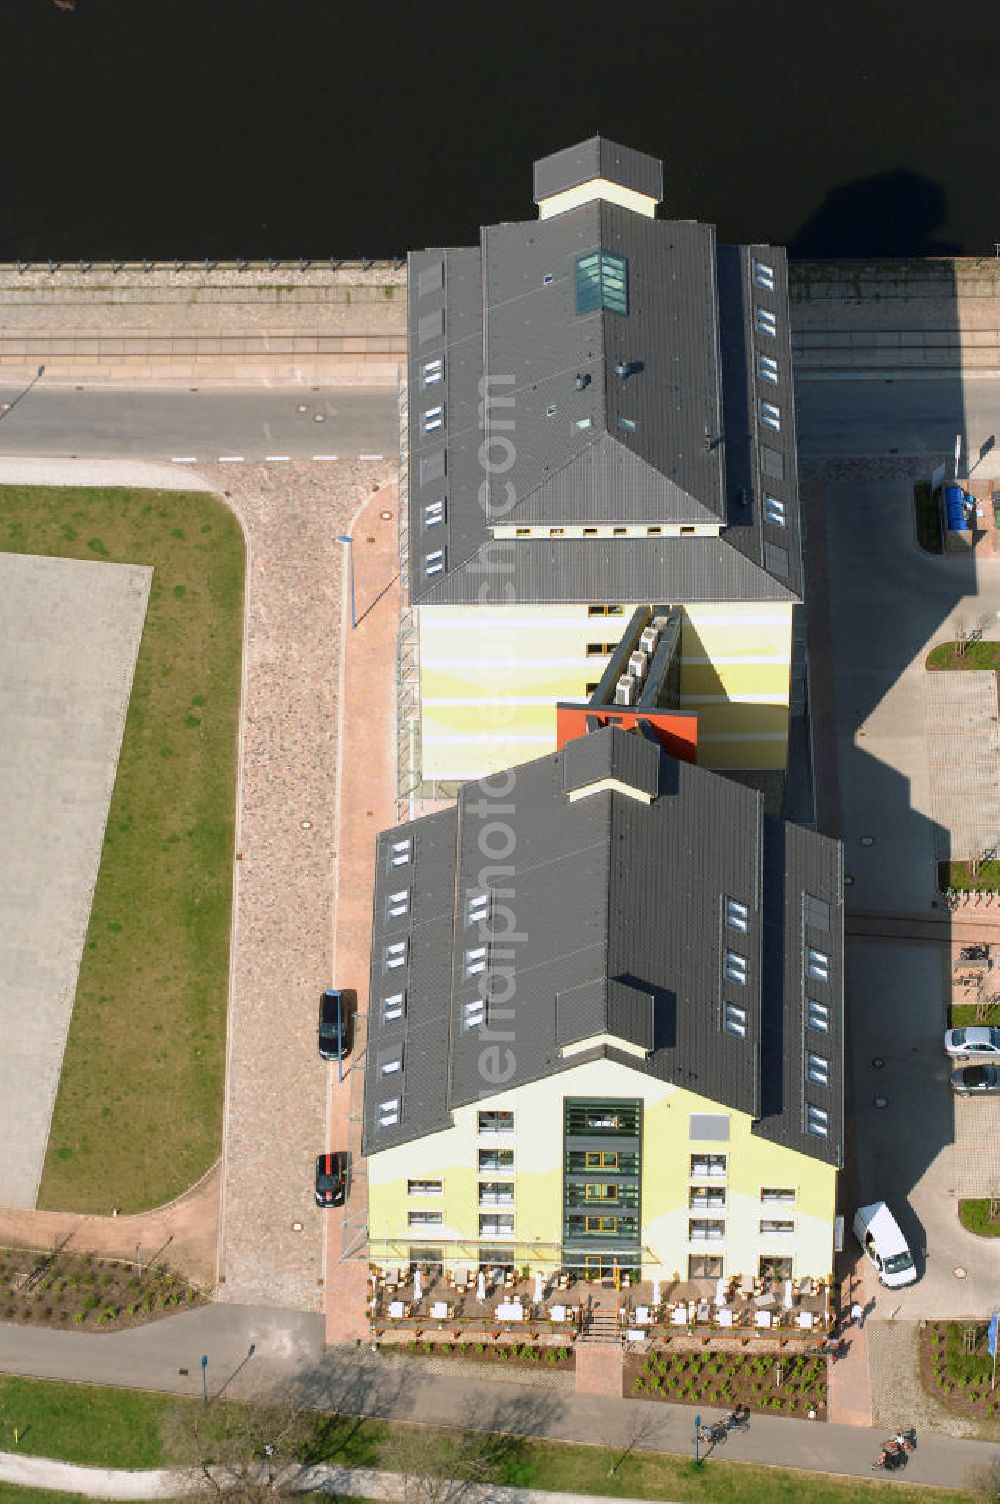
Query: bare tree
column 437, row 1466
column 241, row 1452
column 983, row 1482
column 640, row 1428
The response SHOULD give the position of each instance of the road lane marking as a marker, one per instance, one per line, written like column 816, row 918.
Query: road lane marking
column 275, row 457
column 231, row 459
column 326, row 456
column 371, row 456
column 184, row 459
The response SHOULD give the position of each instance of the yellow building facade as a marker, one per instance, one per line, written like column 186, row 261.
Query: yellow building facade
column 708, row 1207
column 491, row 677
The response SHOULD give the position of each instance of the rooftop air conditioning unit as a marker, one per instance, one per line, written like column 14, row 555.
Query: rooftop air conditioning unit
column 659, row 623
column 648, row 640
column 637, row 665
column 625, row 690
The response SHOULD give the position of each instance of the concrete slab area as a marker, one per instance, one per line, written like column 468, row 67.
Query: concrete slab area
column 963, row 754
column 69, row 636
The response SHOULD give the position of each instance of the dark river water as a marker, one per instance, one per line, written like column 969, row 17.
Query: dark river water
column 196, row 128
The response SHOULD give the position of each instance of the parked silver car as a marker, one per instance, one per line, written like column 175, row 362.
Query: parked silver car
column 977, row 1040
column 975, row 1080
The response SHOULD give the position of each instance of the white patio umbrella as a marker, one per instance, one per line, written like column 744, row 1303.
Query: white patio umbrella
column 720, row 1292
column 539, row 1288
column 481, row 1285
column 417, row 1287
column 656, row 1292
column 788, row 1295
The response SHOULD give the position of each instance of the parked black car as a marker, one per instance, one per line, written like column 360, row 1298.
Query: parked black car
column 334, row 1016
column 332, row 1172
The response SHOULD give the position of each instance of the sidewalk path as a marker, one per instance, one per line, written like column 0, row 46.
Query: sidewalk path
column 351, row 1381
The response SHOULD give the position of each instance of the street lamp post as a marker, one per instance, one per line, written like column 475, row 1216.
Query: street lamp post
column 697, row 1441
column 6, row 410
column 204, row 1377
column 348, row 541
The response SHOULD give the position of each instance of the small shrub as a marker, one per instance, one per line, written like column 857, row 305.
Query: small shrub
column 639, row 1386
column 80, row 1317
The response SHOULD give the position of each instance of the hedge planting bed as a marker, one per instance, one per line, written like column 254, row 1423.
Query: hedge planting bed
column 725, row 1379
column 74, row 1290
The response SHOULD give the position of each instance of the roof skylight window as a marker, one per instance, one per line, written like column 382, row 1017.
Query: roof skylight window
column 601, row 282
column 736, row 967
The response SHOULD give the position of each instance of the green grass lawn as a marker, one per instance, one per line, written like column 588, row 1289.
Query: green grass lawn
column 975, row 1217
column 121, row 1428
column 978, row 655
column 964, row 1014
column 959, row 875
column 138, row 1114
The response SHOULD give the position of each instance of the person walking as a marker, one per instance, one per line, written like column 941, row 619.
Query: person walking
column 858, row 1314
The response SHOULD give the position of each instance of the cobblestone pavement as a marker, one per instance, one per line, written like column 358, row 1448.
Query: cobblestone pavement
column 271, row 1241
column 898, row 1396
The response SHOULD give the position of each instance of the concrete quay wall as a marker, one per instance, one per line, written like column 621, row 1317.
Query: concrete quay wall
column 906, row 317
column 170, row 324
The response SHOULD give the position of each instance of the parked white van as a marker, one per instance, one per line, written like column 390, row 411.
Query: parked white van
column 877, row 1230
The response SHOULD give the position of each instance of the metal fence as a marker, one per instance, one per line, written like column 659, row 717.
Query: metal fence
column 208, row 264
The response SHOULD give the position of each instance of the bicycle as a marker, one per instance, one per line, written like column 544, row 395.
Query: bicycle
column 714, row 1434
column 737, row 1420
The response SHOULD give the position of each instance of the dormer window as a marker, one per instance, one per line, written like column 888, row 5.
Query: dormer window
column 394, row 956
column 433, row 419
column 737, row 915
column 432, row 371
column 477, row 908
column 433, row 513
column 398, row 904
column 766, row 322
column 434, row 562
column 400, row 852
column 817, row 965
column 736, row 967
column 388, row 1113
column 475, row 960
column 763, row 275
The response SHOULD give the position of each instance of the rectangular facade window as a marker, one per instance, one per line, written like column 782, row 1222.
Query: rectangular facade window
column 708, row 1166
column 475, row 961
column 772, row 462
column 773, row 1195
column 705, row 1230
column 605, row 610
column 708, row 1125
column 600, row 1191
column 477, row 908
column 496, row 1122
column 474, row 1013
column 424, row 1187
column 767, row 369
column 433, row 513
column 590, row 532
column 817, row 964
column 597, row 1159
column 600, row 649
column 557, row 532
column 400, row 852
column 736, row 967
column 496, row 1159
column 763, row 275
column 770, row 1268
column 707, row 1198
column 600, row 1224
column 432, row 419
column 766, row 322
column 704, row 1266
column 817, row 1121
column 432, row 371
column 434, row 562
column 601, row 282
column 392, row 1065
column 817, row 1015
column 398, row 904
column 424, row 1219
column 627, row 423
column 493, row 1226
column 393, row 1007
column 774, row 510
column 581, row 423
column 394, row 955
column 522, row 532
column 818, row 1069
column 770, row 415
column 737, row 915
column 496, row 1193
column 388, row 1113
column 734, row 1020
column 768, row 1226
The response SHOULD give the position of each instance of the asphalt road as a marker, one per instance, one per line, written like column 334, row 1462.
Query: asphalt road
column 864, row 417
column 205, row 425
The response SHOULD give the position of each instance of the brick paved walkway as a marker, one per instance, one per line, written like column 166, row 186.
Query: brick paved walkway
column 275, row 1108
column 963, row 754
column 366, row 805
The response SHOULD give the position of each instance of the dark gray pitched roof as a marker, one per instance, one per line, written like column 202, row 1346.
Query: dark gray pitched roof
column 598, row 158
column 546, row 416
column 626, row 759
column 606, row 570
column 613, row 922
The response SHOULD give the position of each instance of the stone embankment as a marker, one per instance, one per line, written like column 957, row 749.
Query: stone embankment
column 889, row 318
column 179, row 324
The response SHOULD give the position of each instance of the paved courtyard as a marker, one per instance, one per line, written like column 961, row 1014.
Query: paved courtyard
column 69, row 636
column 963, row 756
